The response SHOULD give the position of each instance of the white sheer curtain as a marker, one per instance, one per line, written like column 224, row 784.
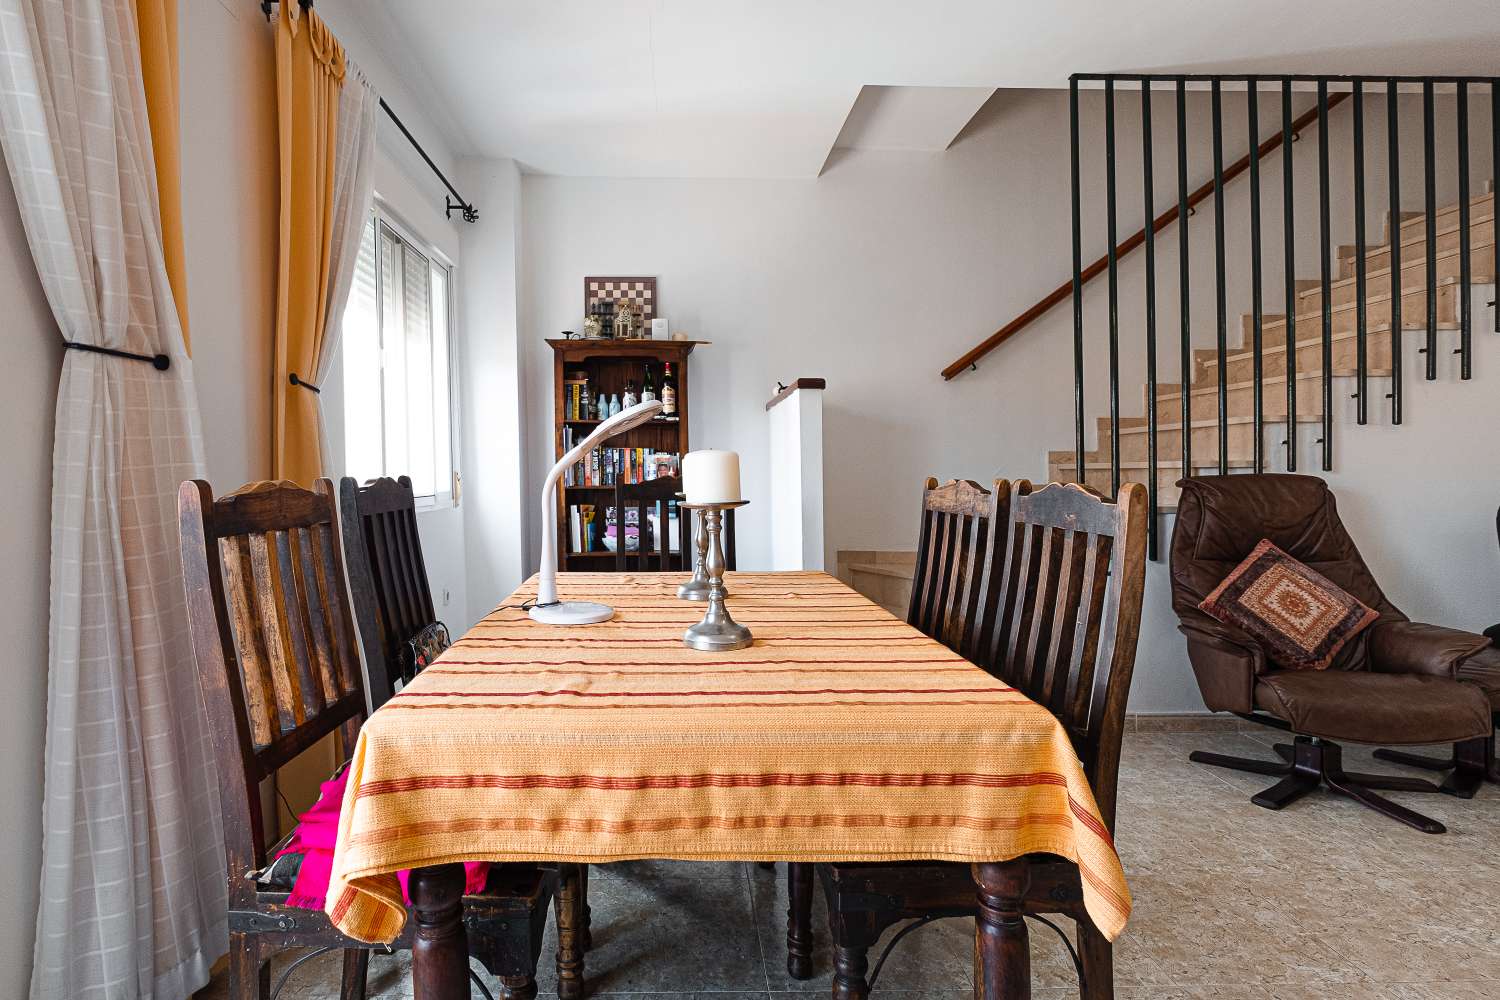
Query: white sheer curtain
column 353, row 190
column 132, row 886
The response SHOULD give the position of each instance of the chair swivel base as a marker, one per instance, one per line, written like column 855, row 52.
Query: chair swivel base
column 1309, row 762
column 1471, row 764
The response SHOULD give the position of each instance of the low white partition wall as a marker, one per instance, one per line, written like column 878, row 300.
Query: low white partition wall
column 796, row 416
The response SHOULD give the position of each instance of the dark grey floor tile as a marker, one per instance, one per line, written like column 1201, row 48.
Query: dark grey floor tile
column 660, row 933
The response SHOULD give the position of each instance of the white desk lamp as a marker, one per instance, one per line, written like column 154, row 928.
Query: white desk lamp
column 548, row 609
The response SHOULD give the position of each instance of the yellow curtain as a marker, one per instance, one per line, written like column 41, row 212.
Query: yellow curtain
column 156, row 21
column 309, row 75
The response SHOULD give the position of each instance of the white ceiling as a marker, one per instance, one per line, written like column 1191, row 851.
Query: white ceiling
column 763, row 88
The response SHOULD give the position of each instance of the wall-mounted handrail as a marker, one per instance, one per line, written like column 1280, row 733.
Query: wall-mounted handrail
column 1064, row 291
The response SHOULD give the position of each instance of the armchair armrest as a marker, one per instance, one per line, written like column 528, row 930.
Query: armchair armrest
column 1419, row 648
column 1226, row 663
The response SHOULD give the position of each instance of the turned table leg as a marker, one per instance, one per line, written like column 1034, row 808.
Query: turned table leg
column 1002, row 949
column 440, row 948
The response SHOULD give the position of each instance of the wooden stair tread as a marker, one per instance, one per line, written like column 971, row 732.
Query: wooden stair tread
column 1302, row 376
column 1274, row 350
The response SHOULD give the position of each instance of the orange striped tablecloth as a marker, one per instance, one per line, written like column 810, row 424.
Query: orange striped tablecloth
column 842, row 734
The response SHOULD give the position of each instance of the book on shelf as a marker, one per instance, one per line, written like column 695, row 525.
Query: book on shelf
column 612, row 466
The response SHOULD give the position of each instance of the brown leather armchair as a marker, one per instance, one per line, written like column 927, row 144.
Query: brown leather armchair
column 1395, row 683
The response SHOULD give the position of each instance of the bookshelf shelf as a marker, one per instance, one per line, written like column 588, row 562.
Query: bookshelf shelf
column 609, row 364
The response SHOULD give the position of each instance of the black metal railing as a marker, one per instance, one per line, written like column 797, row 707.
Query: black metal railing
column 1326, row 93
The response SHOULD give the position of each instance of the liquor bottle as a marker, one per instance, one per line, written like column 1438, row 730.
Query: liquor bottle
column 585, row 408
column 668, row 391
column 630, row 397
column 614, row 405
column 601, row 406
column 648, row 386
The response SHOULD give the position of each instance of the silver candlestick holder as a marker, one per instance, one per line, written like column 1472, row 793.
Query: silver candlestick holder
column 717, row 630
column 696, row 589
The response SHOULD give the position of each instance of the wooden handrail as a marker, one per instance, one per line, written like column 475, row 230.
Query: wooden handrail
column 1065, row 291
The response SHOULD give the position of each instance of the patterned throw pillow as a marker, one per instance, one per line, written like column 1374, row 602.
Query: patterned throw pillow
column 1300, row 617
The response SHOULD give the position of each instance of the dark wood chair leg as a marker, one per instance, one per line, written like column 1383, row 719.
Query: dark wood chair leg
column 1098, row 957
column 356, row 974
column 568, row 906
column 518, row 987
column 850, row 963
column 1002, row 945
column 440, row 947
column 249, row 973
column 799, row 932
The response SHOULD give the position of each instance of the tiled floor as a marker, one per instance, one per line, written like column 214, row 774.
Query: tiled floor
column 1324, row 900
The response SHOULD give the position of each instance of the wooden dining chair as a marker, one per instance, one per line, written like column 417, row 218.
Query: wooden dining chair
column 655, row 496
column 953, row 548
column 387, row 579
column 956, row 548
column 656, row 499
column 274, row 641
column 1065, row 592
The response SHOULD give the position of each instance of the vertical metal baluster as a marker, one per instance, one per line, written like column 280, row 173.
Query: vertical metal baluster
column 1184, row 283
column 1148, row 186
column 1429, row 156
column 1393, row 156
column 1289, row 251
column 1221, row 303
column 1465, row 265
column 1361, row 305
column 1257, row 308
column 1324, row 250
column 1077, row 286
column 1114, row 288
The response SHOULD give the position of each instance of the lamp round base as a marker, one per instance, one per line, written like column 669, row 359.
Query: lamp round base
column 571, row 613
column 716, row 637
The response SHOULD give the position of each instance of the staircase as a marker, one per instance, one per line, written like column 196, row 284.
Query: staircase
column 1307, row 360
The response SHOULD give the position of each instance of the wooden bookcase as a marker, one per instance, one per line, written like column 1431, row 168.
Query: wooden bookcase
column 609, row 364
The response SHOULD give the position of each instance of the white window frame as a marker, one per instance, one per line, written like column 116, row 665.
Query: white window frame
column 383, row 215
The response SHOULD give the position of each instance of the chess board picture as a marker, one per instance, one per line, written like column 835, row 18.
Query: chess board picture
column 641, row 292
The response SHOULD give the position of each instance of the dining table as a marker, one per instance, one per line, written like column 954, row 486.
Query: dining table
column 842, row 734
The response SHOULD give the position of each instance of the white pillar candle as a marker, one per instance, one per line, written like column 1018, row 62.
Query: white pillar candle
column 711, row 476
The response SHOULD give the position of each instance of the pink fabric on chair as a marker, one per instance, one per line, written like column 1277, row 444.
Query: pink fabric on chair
column 314, row 839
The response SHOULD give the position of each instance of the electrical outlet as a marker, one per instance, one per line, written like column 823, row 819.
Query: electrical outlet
column 446, row 597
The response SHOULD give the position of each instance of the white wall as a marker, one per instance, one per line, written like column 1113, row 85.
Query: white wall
column 497, row 515
column 881, row 272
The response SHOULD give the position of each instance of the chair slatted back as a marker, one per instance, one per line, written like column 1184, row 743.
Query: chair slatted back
column 954, row 550
column 273, row 636
column 1068, row 614
column 654, row 498
column 387, row 576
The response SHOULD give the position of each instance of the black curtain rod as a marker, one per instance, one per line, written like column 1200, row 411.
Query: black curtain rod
column 456, row 203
